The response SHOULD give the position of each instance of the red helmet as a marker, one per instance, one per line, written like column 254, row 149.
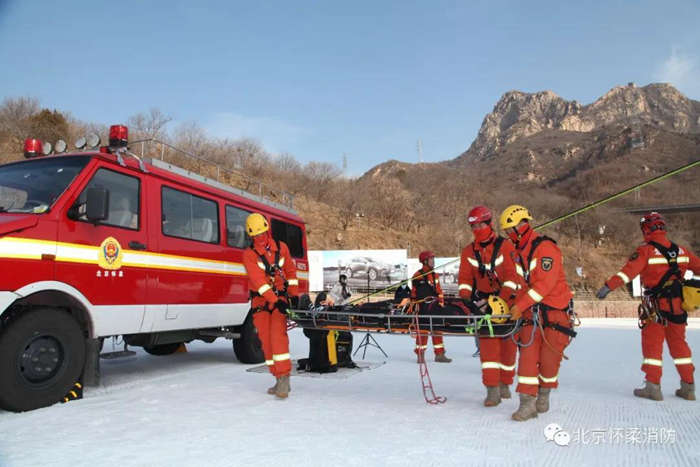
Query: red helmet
column 424, row 255
column 479, row 214
column 651, row 222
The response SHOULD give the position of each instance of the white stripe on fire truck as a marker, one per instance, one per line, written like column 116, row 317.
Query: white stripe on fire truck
column 26, row 248
column 29, row 248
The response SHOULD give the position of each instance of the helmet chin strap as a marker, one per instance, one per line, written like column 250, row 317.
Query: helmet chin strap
column 519, row 233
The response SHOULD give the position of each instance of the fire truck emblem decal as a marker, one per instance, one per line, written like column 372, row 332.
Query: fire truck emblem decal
column 110, row 254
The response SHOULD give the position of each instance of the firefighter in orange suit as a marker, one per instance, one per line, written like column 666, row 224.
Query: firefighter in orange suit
column 271, row 278
column 425, row 284
column 661, row 265
column 544, row 304
column 486, row 268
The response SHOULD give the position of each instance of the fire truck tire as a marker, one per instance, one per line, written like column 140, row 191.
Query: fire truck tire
column 50, row 338
column 162, row 349
column 247, row 348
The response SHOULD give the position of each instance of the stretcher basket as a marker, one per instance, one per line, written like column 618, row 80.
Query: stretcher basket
column 454, row 319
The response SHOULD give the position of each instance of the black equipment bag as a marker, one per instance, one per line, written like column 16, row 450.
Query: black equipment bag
column 319, row 360
column 328, row 351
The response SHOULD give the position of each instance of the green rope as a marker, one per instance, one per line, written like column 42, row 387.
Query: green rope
column 556, row 220
column 619, row 194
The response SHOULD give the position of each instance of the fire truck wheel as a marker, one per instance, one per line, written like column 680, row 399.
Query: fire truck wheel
column 42, row 354
column 247, row 348
column 162, row 349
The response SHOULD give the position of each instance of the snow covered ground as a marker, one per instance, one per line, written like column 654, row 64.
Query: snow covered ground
column 203, row 408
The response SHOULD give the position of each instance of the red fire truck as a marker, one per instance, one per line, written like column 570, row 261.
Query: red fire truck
column 97, row 244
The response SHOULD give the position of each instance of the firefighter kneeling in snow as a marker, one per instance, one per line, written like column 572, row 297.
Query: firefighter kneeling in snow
column 271, row 278
column 427, row 292
column 545, row 306
column 661, row 265
column 486, row 268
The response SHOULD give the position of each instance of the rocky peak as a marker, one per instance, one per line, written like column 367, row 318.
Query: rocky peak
column 519, row 114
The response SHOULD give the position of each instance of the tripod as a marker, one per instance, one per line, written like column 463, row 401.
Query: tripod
column 367, row 341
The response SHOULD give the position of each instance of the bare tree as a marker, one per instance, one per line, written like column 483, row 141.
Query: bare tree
column 15, row 114
column 151, row 124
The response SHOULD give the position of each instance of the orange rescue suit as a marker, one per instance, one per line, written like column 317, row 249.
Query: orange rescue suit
column 651, row 266
column 266, row 287
column 545, row 286
column 427, row 286
column 477, row 281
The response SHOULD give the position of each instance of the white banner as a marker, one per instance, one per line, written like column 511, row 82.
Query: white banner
column 366, row 269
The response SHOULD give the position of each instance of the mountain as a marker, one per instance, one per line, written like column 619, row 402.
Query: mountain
column 554, row 156
column 518, row 115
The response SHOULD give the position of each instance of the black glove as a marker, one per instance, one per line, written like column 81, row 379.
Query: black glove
column 282, row 306
column 602, row 292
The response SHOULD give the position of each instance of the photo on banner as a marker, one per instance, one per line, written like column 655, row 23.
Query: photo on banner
column 365, row 269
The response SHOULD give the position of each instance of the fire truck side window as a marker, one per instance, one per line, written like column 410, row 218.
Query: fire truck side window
column 236, row 235
column 189, row 216
column 123, row 198
column 289, row 234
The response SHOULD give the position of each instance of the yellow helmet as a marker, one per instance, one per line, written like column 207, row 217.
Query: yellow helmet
column 512, row 215
column 499, row 307
column 256, row 224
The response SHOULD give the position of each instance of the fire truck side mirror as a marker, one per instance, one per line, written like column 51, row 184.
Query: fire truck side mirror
column 97, row 204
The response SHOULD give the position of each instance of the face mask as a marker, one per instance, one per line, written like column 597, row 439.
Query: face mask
column 519, row 233
column 652, row 235
column 260, row 241
column 482, row 234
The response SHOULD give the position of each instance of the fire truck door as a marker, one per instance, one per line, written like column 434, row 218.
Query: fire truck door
column 105, row 260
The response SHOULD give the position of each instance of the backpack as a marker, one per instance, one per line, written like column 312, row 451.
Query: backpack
column 670, row 285
column 328, row 351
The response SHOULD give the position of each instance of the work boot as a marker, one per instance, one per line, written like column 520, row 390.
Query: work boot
column 505, row 391
column 650, row 391
column 442, row 358
column 527, row 409
column 493, row 396
column 542, row 403
column 273, row 389
column 282, row 387
column 420, row 358
column 687, row 391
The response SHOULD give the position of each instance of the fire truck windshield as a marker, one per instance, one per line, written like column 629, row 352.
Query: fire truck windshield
column 33, row 186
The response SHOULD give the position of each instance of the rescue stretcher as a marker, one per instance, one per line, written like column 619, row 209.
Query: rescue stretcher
column 456, row 318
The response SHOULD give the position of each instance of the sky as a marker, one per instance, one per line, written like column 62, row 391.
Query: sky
column 319, row 79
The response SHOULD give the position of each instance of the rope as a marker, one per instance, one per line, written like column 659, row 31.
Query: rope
column 544, row 339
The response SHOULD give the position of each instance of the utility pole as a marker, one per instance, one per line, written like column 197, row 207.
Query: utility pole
column 420, row 151
column 345, row 163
